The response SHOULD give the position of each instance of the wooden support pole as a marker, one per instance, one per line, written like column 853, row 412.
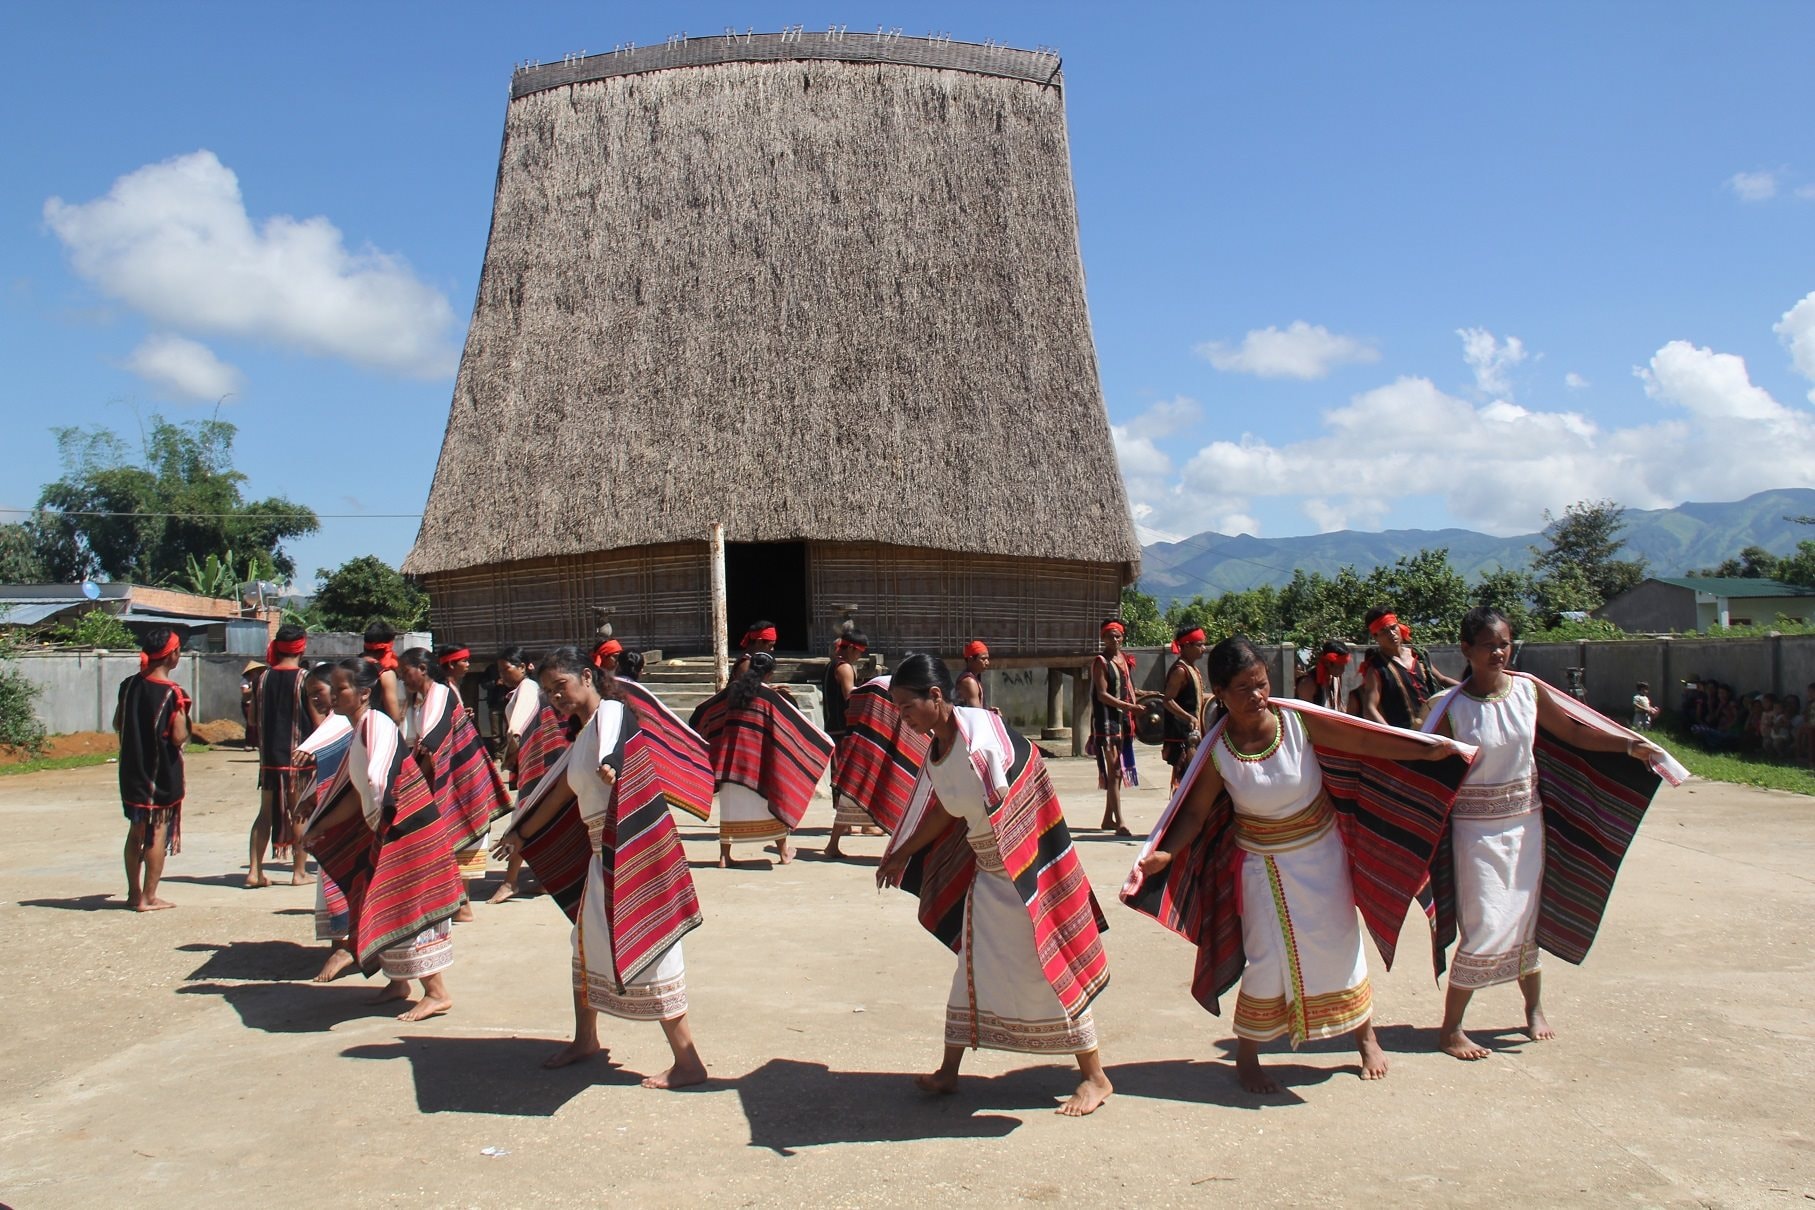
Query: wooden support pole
column 1081, row 713
column 721, row 624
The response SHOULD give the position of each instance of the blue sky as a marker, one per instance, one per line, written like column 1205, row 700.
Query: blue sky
column 1359, row 265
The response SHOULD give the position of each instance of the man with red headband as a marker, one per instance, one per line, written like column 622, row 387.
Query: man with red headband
column 1322, row 681
column 1396, row 685
column 153, row 721
column 605, row 655
column 841, row 681
column 1113, row 700
column 1184, row 700
column 381, row 649
column 758, row 636
column 278, row 703
column 970, row 688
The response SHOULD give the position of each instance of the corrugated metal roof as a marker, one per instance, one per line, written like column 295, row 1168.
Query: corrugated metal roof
column 170, row 619
column 15, row 612
column 1736, row 586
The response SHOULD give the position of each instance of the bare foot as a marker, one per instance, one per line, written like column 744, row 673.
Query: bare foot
column 503, row 893
column 464, row 915
column 428, row 1006
column 833, row 852
column 1090, row 1094
column 1373, row 1059
column 1253, row 1076
column 939, row 1083
column 336, row 966
column 1459, row 1045
column 154, row 904
column 396, row 989
column 1121, row 831
column 785, row 852
column 681, row 1075
column 573, row 1052
column 869, row 830
column 1536, row 1027
column 302, row 880
column 256, row 882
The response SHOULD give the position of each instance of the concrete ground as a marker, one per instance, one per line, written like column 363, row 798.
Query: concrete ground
column 182, row 1057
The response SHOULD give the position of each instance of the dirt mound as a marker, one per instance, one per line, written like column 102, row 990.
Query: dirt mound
column 77, row 743
column 220, row 731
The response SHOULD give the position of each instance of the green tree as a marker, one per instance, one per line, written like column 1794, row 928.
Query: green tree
column 367, row 589
column 20, row 562
column 19, row 725
column 1798, row 568
column 1754, row 563
column 1509, row 591
column 1141, row 615
column 144, row 518
column 1424, row 590
column 1580, row 565
column 96, row 628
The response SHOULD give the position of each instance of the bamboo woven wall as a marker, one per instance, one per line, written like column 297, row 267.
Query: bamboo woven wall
column 909, row 599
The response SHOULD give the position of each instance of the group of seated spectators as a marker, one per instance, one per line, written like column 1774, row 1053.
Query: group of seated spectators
column 1722, row 720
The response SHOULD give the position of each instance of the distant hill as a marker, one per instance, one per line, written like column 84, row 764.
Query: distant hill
column 1671, row 541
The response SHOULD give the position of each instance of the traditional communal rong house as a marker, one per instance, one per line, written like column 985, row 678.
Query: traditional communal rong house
column 822, row 289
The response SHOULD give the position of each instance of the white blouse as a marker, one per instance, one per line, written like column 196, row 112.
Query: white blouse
column 1278, row 783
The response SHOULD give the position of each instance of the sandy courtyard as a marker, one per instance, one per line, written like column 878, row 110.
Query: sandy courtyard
column 183, row 1058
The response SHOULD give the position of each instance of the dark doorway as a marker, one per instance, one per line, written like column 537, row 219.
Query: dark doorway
column 768, row 580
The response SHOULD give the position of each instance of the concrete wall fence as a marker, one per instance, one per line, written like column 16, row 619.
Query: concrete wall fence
column 79, row 689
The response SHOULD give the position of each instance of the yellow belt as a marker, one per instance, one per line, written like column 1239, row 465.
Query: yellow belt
column 1257, row 835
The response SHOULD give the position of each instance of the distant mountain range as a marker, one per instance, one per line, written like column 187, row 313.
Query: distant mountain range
column 1672, row 541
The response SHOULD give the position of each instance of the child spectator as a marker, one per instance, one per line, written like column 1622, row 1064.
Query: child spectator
column 1777, row 726
column 1643, row 712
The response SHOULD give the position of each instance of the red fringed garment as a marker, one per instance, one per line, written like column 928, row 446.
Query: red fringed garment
column 768, row 746
column 879, row 757
column 539, row 747
column 1391, row 814
column 1037, row 853
column 470, row 791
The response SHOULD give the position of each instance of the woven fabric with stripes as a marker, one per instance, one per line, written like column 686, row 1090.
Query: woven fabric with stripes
column 768, row 746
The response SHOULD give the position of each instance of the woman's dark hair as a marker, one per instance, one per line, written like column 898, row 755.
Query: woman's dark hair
column 1375, row 614
column 1480, row 618
column 743, row 689
column 380, row 632
column 573, row 662
column 363, row 672
column 289, row 632
column 920, row 673
column 323, row 672
column 855, row 636
column 630, row 665
column 515, row 656
column 1333, row 647
column 421, row 659
column 155, row 640
column 1230, row 658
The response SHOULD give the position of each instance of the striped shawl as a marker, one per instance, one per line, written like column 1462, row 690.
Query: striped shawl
column 682, row 759
column 879, row 757
column 1037, row 853
column 1593, row 803
column 539, row 747
column 768, row 746
column 1391, row 814
column 471, row 792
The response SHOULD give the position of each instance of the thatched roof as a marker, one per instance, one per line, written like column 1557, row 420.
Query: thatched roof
column 810, row 297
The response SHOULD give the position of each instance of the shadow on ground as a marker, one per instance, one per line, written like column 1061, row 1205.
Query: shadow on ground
column 79, row 903
column 492, row 1075
column 791, row 1104
column 258, row 960
column 296, row 1008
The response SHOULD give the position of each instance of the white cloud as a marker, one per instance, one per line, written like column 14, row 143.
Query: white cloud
column 173, row 241
column 1492, row 361
column 1797, row 331
column 1753, row 186
column 1302, row 350
column 1167, row 417
column 1499, row 465
column 1806, row 192
column 1575, row 381
column 182, row 368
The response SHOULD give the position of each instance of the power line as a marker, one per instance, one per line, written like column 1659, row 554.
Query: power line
column 60, row 512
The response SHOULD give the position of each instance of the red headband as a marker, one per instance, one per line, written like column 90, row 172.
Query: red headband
column 456, row 655
column 1405, row 633
column 279, row 647
column 975, row 648
column 1330, row 666
column 853, row 644
column 1115, row 628
column 382, row 655
column 1382, row 622
column 608, row 647
column 1194, row 636
column 765, row 635
column 148, row 658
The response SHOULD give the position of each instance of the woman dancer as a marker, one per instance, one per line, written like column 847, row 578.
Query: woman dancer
column 878, row 762
column 318, row 759
column 627, row 958
column 380, row 836
column 1112, row 701
column 985, row 847
column 767, row 758
column 1254, row 833
column 1512, row 885
column 534, row 739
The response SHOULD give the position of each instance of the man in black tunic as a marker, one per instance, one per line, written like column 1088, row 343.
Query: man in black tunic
column 152, row 718
column 278, row 705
